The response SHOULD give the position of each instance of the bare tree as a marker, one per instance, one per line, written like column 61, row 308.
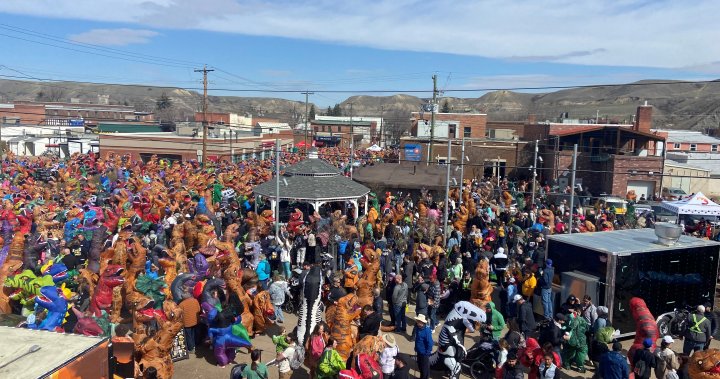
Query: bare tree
column 55, row 94
column 395, row 124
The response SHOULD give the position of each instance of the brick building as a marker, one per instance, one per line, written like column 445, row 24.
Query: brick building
column 338, row 132
column 141, row 146
column 449, row 125
column 65, row 114
column 612, row 158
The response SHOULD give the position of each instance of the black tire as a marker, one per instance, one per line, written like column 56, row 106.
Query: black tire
column 288, row 307
column 664, row 326
column 478, row 370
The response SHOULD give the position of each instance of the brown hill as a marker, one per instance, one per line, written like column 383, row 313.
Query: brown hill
column 679, row 105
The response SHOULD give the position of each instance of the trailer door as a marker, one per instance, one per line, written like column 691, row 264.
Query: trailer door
column 665, row 280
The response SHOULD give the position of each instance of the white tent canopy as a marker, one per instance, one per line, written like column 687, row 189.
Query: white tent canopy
column 374, row 147
column 698, row 204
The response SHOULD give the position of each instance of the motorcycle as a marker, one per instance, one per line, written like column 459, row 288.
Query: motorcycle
column 674, row 323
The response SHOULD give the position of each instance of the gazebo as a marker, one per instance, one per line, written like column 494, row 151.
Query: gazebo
column 315, row 182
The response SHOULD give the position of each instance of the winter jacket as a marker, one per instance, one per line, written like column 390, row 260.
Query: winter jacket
column 553, row 334
column 666, row 363
column 277, row 291
column 263, row 270
column 400, row 294
column 330, row 364
column 528, row 286
column 549, row 372
column 546, row 278
column 701, row 333
column 646, row 356
column 614, row 365
column 498, row 322
column 421, row 302
column 511, row 373
column 423, row 341
column 526, row 318
column 590, row 313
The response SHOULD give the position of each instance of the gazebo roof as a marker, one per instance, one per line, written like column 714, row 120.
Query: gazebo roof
column 313, row 179
column 312, row 167
column 313, row 188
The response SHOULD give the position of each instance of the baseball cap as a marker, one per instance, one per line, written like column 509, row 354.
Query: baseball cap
column 517, row 298
column 648, row 342
column 668, row 339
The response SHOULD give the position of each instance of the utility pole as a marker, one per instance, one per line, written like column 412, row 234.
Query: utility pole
column 205, row 71
column 277, row 188
column 572, row 187
column 432, row 118
column 232, row 152
column 307, row 117
column 380, row 140
column 447, row 194
column 462, row 166
column 534, row 176
column 352, row 140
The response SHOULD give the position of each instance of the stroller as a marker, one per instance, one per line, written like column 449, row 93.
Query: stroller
column 479, row 362
column 292, row 305
column 481, row 357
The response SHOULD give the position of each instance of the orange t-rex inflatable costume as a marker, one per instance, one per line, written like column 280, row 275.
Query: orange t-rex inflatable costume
column 262, row 311
column 369, row 278
column 345, row 314
column 481, row 289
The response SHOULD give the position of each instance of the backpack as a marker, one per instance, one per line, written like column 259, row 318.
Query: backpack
column 368, row 368
column 236, row 371
column 297, row 358
column 642, row 371
column 317, row 346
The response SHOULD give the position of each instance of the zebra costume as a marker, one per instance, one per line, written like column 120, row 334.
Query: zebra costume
column 451, row 350
column 311, row 308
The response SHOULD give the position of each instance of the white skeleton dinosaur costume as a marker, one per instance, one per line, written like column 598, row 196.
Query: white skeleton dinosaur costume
column 451, row 350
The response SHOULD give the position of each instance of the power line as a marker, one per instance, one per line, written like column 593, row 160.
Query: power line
column 121, row 54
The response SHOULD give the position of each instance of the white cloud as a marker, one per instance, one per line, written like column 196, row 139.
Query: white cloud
column 114, row 37
column 644, row 33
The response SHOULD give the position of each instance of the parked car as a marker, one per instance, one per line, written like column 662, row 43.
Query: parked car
column 673, row 193
column 642, row 208
column 616, row 203
column 662, row 214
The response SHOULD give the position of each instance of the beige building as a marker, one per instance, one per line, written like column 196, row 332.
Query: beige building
column 690, row 179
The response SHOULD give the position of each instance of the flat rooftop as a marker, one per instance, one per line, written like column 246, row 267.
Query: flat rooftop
column 622, row 242
column 56, row 350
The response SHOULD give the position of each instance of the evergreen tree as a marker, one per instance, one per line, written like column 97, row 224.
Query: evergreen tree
column 329, row 111
column 311, row 115
column 164, row 102
column 337, row 111
column 445, row 107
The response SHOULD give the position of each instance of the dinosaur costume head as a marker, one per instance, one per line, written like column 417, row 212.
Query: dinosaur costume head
column 51, row 299
column 705, row 364
column 58, row 271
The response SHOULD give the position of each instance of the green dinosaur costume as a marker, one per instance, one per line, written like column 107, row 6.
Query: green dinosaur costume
column 26, row 285
column 576, row 348
column 152, row 287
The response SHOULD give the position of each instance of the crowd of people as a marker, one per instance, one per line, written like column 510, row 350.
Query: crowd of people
column 150, row 251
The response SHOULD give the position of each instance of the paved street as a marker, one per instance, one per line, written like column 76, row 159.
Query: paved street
column 202, row 363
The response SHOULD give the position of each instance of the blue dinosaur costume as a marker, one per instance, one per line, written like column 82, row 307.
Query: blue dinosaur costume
column 58, row 271
column 226, row 338
column 53, row 300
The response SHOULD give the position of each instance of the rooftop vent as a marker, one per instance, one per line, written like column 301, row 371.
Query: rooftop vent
column 668, row 233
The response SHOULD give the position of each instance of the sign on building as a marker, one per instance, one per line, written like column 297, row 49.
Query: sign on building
column 413, row 152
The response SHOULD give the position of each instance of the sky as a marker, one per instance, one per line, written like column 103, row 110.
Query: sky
column 260, row 46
